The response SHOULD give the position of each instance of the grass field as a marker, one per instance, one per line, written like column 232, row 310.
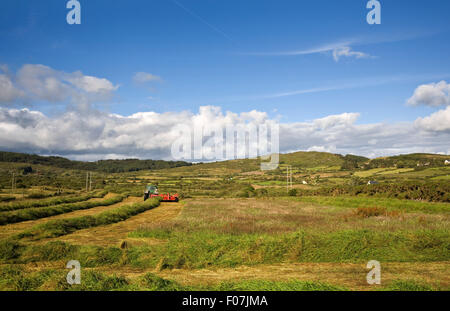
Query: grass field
column 236, row 228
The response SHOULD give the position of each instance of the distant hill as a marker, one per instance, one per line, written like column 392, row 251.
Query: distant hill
column 410, row 160
column 300, row 159
column 309, row 159
column 325, row 160
column 109, row 166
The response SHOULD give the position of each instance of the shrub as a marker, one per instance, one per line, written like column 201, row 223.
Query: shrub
column 370, row 211
column 292, row 192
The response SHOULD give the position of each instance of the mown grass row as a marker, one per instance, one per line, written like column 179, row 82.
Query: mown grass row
column 202, row 249
column 7, row 199
column 15, row 278
column 49, row 202
column 59, row 227
column 42, row 212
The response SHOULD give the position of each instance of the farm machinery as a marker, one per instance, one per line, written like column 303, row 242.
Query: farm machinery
column 151, row 191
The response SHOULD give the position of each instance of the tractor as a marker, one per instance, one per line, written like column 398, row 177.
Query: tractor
column 151, row 191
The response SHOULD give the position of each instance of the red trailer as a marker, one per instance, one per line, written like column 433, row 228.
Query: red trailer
column 152, row 192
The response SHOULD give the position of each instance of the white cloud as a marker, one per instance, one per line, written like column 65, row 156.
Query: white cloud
column 150, row 134
column 8, row 92
column 346, row 51
column 438, row 121
column 143, row 77
column 433, row 94
column 91, row 84
column 338, row 50
column 41, row 83
column 342, row 120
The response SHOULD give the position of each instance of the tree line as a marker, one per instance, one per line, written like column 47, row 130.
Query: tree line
column 107, row 166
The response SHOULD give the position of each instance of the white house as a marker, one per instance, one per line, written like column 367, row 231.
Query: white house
column 447, row 162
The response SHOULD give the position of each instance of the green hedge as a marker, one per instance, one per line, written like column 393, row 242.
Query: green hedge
column 429, row 191
column 53, row 201
column 42, row 212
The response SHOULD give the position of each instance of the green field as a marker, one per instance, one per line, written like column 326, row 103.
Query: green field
column 235, row 228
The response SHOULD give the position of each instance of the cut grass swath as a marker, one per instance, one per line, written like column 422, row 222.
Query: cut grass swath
column 59, row 227
column 42, row 212
column 49, row 202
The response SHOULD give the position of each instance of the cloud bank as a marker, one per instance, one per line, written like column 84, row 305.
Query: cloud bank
column 100, row 135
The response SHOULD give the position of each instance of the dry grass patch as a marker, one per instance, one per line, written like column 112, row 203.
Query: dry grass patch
column 275, row 216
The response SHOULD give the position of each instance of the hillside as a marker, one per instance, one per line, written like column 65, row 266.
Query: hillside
column 410, row 160
column 107, row 166
column 310, row 160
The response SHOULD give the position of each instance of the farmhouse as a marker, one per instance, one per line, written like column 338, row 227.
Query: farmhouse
column 447, row 162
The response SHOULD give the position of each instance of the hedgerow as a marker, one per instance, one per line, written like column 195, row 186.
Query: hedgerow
column 433, row 192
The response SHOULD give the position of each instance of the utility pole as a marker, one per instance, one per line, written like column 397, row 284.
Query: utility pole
column 291, row 175
column 87, row 179
column 13, row 182
column 90, row 181
column 288, row 177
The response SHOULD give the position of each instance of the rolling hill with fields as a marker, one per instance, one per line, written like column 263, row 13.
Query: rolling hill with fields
column 235, row 228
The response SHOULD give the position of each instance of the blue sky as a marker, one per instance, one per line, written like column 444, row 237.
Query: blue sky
column 272, row 56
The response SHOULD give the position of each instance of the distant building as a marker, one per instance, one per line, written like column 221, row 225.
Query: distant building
column 372, row 182
column 304, row 182
column 447, row 162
